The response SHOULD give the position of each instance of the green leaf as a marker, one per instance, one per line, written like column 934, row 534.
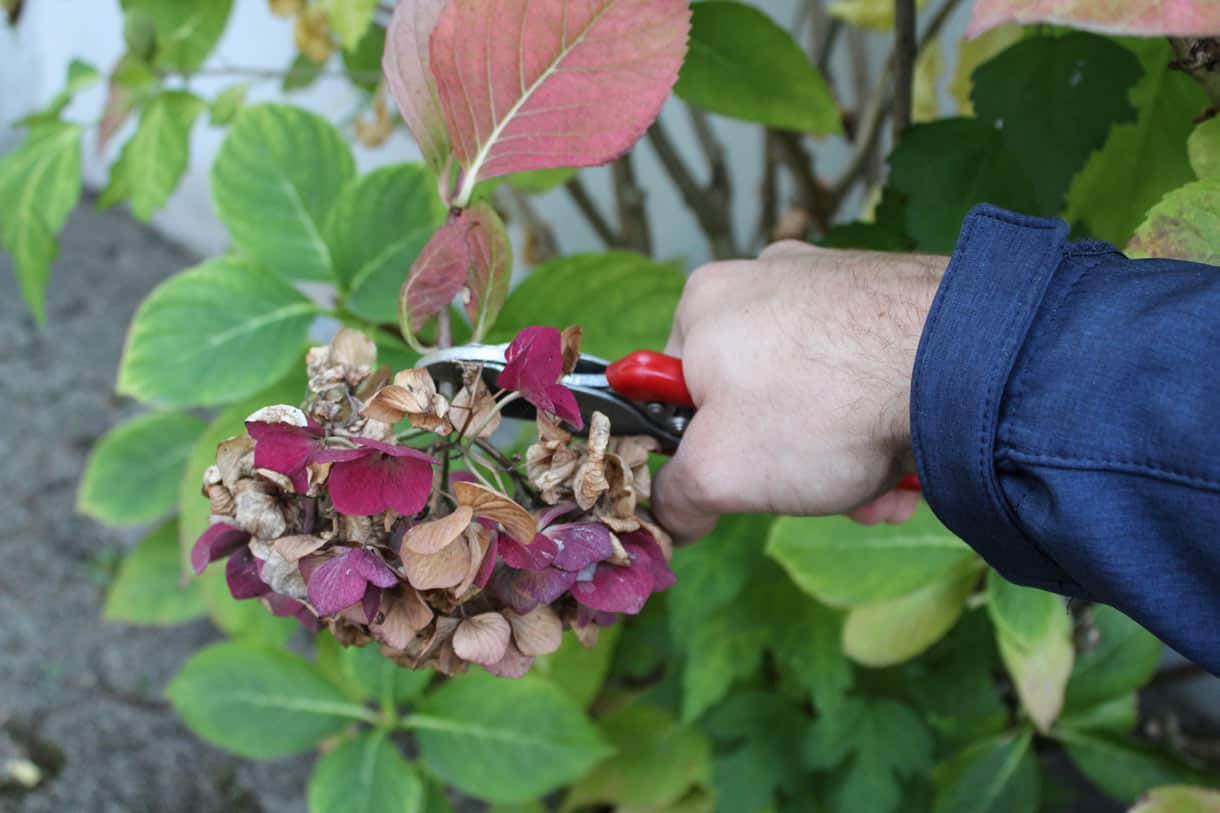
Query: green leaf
column 214, row 334
column 805, row 636
column 363, row 64
column 1125, row 768
column 540, row 181
column 885, row 742
column 1185, row 225
column 758, row 736
column 365, row 774
column 149, row 587
column 845, row 564
column 656, row 762
column 1123, row 658
column 349, row 19
column 1203, row 147
column 946, row 167
column 246, row 620
column 153, row 161
column 885, row 232
column 375, row 231
column 714, row 572
column 505, row 741
column 1118, row 715
column 898, row 629
column 81, row 75
column 274, row 181
column 1179, row 799
column 726, row 647
column 579, row 671
column 259, row 702
column 381, row 679
column 185, row 33
column 1106, row 197
column 40, row 183
column 302, row 73
column 1034, row 634
column 193, row 508
column 1062, row 90
column 997, row 775
column 742, row 64
column 228, row 103
column 624, row 301
column 129, row 477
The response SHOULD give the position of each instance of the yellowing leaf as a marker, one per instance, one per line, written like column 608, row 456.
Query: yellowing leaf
column 1187, row 18
column 1185, row 225
column 928, row 69
column 874, row 14
column 1204, row 148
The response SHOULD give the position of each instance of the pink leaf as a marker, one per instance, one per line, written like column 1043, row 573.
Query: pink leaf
column 1185, row 18
column 615, row 589
column 470, row 253
column 407, row 70
column 554, row 84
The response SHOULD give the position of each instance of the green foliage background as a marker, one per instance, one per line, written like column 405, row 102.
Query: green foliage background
column 798, row 664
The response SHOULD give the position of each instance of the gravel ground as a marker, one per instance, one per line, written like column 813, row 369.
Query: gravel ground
column 81, row 695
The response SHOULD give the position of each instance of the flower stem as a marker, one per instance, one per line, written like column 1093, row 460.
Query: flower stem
column 473, row 436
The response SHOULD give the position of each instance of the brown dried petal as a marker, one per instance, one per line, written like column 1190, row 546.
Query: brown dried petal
column 590, row 483
column 431, row 537
column 279, row 413
column 483, row 638
column 235, row 459
column 403, row 614
column 347, row 632
column 355, row 529
column 484, row 405
column 538, row 632
column 295, row 548
column 619, row 557
column 284, row 577
column 353, row 349
column 438, row 570
column 634, row 449
column 551, row 430
column 570, row 340
column 446, row 661
column 495, row 506
column 258, row 512
column 621, row 525
column 663, row 539
column 317, row 474
column 432, row 639
column 478, row 540
column 514, row 664
column 282, row 483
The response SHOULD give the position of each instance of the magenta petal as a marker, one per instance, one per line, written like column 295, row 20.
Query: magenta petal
column 646, row 553
column 284, row 607
column 336, row 585
column 533, row 359
column 285, row 448
column 541, row 554
column 241, row 572
column 554, row 512
column 489, row 563
column 563, row 404
column 586, row 616
column 523, row 590
column 580, row 544
column 372, row 567
column 615, row 589
column 342, row 455
column 216, row 542
column 409, row 483
column 372, row 484
column 371, row 603
column 394, row 450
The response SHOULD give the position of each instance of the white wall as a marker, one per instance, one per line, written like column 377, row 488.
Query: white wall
column 33, row 60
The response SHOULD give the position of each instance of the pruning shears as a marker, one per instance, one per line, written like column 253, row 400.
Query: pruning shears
column 643, row 393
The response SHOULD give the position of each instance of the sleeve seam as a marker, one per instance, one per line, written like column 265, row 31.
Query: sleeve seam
column 1115, row 464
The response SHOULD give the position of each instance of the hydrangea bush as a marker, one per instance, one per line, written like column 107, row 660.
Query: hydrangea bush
column 780, row 665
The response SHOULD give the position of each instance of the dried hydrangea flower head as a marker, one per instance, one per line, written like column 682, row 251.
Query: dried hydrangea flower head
column 380, row 509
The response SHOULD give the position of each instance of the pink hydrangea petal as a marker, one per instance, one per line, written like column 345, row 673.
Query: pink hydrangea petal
column 541, row 554
column 285, row 448
column 554, row 512
column 241, row 572
column 372, row 567
column 355, row 487
column 580, row 544
column 408, row 483
column 342, row 455
column 563, row 404
column 646, row 553
column 488, row 565
column 218, row 541
column 523, row 590
column 615, row 589
column 371, row 603
column 395, row 450
column 285, row 607
column 336, row 585
column 586, row 616
column 514, row 664
column 533, row 358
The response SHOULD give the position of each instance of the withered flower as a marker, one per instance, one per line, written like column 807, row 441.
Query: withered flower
column 377, row 477
column 534, row 366
column 413, row 396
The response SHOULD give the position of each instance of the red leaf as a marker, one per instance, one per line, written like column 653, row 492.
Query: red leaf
column 407, row 70
column 1186, row 18
column 470, row 253
column 539, row 85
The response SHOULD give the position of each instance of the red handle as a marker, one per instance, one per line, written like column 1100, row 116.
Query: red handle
column 910, row 483
column 648, row 376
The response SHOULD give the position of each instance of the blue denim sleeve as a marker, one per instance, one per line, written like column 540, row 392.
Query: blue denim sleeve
column 1065, row 416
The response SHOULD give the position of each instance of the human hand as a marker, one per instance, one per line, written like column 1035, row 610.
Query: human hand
column 800, row 365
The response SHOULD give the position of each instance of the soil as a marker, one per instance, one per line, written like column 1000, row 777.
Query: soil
column 80, row 697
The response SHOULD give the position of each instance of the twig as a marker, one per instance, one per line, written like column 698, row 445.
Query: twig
column 904, row 55
column 588, row 208
column 1201, row 59
column 824, row 47
column 712, row 214
column 811, row 196
column 634, row 230
column 289, row 73
column 506, row 464
column 767, row 210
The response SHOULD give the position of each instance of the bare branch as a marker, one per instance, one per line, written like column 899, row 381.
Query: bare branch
column 540, row 243
column 634, row 230
column 711, row 212
column 588, row 208
column 767, row 190
column 903, row 64
column 1201, row 59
